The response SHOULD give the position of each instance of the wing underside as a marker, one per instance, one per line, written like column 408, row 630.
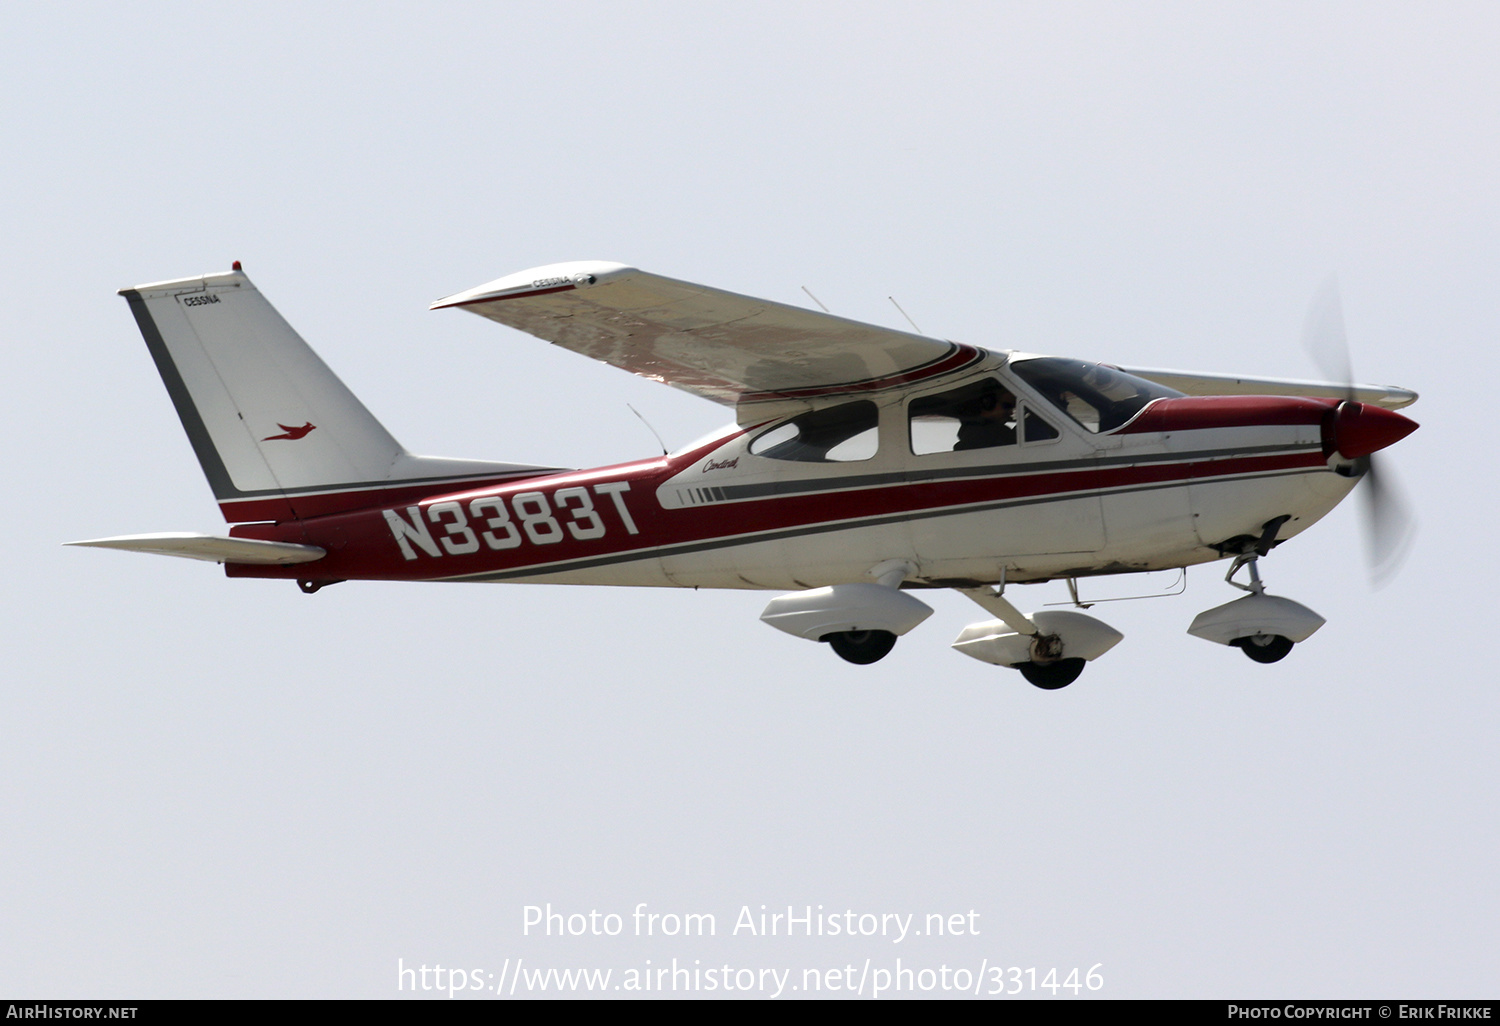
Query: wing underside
column 1196, row 383
column 733, row 349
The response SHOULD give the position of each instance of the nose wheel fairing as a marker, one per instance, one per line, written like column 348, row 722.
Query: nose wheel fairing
column 1264, row 627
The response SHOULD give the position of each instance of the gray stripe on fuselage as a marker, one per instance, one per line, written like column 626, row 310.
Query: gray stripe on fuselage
column 730, row 541
column 738, row 493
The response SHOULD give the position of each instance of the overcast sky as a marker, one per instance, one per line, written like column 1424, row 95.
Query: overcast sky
column 229, row 788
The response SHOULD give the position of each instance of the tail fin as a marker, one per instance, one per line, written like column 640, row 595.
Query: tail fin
column 278, row 434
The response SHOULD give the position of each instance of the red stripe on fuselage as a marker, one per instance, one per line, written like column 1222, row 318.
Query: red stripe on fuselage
column 1196, row 413
column 361, row 544
column 321, row 504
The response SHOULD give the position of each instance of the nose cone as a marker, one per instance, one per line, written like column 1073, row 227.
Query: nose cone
column 1358, row 429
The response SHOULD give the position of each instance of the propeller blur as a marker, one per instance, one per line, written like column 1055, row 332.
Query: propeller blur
column 1388, row 523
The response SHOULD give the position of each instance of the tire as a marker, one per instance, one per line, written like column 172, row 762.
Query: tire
column 1051, row 676
column 861, row 647
column 1264, row 648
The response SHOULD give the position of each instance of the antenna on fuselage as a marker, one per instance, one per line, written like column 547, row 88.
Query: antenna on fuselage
column 649, row 428
column 905, row 314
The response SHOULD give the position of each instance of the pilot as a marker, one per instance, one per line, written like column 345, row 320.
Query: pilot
column 988, row 421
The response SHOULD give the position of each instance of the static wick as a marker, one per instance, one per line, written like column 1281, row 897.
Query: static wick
column 815, row 299
column 646, row 422
column 905, row 314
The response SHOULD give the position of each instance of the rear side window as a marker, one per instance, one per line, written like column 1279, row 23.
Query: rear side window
column 839, row 434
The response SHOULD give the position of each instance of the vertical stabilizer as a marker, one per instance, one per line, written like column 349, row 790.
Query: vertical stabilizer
column 279, row 436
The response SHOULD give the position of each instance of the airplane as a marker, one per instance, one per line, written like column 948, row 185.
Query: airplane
column 864, row 464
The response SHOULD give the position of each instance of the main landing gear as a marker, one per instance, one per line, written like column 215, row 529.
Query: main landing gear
column 861, row 647
column 859, row 621
column 1049, row 648
column 1264, row 627
column 1052, row 676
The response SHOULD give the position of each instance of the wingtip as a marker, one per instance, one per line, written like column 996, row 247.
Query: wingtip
column 577, row 274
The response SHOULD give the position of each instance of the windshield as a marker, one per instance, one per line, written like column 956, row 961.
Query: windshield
column 1098, row 397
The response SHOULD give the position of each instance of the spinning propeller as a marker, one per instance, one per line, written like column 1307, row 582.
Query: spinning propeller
column 1389, row 523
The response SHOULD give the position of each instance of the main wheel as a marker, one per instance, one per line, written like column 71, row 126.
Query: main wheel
column 861, row 647
column 1264, row 648
column 1051, row 676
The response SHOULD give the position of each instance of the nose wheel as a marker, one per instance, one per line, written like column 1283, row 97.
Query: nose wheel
column 1261, row 646
column 1264, row 648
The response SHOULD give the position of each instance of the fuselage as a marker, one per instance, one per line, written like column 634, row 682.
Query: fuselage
column 1056, row 491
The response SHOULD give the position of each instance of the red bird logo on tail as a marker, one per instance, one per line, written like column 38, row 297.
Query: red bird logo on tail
column 292, row 433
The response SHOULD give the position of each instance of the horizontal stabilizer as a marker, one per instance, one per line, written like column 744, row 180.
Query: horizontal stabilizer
column 211, row 548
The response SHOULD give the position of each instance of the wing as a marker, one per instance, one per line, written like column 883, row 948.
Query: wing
column 750, row 353
column 1195, row 383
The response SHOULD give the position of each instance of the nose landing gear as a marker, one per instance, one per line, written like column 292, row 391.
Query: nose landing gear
column 1264, row 627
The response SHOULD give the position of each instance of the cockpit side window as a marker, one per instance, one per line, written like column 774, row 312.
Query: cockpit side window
column 1097, row 397
column 840, row 434
column 980, row 415
column 1036, row 428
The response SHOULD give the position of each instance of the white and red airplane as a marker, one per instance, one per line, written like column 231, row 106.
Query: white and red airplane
column 864, row 463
